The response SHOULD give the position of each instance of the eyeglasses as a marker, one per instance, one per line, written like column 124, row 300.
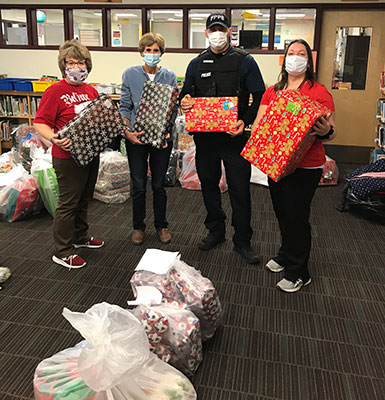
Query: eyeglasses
column 80, row 64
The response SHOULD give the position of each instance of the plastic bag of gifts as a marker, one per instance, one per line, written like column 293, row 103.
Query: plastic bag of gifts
column 19, row 194
column 155, row 113
column 113, row 363
column 113, row 183
column 93, row 129
column 189, row 177
column 23, row 139
column 329, row 173
column 179, row 282
column 45, row 175
column 173, row 331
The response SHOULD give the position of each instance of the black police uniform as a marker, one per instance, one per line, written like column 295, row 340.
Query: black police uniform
column 214, row 75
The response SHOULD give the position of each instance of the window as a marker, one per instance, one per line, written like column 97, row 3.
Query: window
column 169, row 23
column 250, row 28
column 126, row 27
column 88, row 27
column 294, row 23
column 14, row 27
column 197, row 25
column 50, row 27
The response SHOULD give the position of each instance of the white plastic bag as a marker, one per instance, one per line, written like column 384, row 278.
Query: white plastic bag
column 114, row 363
column 45, row 176
column 113, row 183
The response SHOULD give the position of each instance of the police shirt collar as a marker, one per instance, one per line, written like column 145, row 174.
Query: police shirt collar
column 221, row 54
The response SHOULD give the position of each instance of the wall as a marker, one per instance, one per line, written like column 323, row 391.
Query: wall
column 108, row 66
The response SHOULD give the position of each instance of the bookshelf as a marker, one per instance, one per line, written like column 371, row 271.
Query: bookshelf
column 16, row 107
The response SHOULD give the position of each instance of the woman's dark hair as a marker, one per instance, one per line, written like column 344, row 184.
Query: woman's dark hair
column 281, row 84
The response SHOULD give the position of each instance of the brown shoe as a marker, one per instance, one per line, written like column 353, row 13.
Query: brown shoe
column 164, row 235
column 137, row 237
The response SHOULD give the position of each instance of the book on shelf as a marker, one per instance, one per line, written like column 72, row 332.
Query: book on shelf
column 14, row 106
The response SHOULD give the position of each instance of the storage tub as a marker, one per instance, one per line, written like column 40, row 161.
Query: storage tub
column 41, row 86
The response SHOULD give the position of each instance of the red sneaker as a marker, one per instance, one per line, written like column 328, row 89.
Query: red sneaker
column 93, row 243
column 72, row 261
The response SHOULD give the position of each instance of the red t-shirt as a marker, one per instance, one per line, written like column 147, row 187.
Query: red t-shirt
column 59, row 105
column 315, row 157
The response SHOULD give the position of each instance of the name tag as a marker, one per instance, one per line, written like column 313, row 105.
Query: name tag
column 205, row 74
column 208, row 61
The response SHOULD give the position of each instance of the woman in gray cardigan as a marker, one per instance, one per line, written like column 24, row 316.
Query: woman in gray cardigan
column 151, row 48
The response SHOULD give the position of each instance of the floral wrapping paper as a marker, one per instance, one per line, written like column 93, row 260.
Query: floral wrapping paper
column 93, row 129
column 154, row 113
column 212, row 114
column 174, row 334
column 281, row 140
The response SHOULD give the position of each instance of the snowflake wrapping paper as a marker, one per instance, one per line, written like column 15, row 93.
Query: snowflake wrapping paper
column 281, row 140
column 154, row 113
column 93, row 129
column 212, row 114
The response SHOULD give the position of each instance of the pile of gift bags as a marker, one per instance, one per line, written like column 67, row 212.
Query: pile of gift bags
column 187, row 312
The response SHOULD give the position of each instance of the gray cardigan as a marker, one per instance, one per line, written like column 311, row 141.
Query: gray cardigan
column 132, row 85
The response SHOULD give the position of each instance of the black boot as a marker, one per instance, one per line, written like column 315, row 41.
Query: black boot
column 211, row 240
column 247, row 254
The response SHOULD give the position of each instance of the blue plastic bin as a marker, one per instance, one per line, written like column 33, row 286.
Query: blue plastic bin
column 6, row 84
column 23, row 85
column 20, row 84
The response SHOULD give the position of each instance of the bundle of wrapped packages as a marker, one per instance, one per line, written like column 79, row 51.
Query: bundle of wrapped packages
column 93, row 129
column 185, row 140
column 19, row 194
column 281, row 139
column 173, row 332
column 113, row 183
column 189, row 177
column 154, row 115
column 45, row 175
column 212, row 114
column 329, row 173
column 113, row 363
column 179, row 282
column 23, row 139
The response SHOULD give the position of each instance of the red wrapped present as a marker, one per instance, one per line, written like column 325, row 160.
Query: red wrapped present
column 212, row 114
column 281, row 140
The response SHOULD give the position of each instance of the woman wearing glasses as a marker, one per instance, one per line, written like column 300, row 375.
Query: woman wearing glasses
column 58, row 106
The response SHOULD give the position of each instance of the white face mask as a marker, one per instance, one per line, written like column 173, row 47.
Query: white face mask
column 217, row 39
column 295, row 65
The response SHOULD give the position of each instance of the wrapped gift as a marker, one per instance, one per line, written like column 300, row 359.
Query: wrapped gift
column 153, row 117
column 92, row 130
column 212, row 114
column 281, row 140
column 174, row 335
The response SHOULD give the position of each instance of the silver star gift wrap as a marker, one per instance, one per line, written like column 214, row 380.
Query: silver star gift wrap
column 154, row 113
column 93, row 129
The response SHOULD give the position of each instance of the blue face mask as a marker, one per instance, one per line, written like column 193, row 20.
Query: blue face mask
column 151, row 59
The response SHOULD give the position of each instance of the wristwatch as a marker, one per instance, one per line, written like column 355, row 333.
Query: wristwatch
column 327, row 136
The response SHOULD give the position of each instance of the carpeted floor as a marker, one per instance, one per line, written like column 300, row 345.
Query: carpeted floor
column 325, row 342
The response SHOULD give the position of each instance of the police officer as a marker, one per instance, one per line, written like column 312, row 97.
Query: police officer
column 222, row 70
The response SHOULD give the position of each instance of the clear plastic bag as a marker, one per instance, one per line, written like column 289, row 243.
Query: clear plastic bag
column 185, row 284
column 45, row 176
column 174, row 334
column 114, row 363
column 173, row 171
column 189, row 177
column 329, row 173
column 113, row 183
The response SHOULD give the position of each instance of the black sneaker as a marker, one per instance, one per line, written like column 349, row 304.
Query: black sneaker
column 210, row 241
column 247, row 254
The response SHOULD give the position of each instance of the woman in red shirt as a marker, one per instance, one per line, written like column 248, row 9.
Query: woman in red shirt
column 292, row 195
column 58, row 106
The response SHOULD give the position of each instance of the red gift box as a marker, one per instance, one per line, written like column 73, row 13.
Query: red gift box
column 280, row 140
column 212, row 114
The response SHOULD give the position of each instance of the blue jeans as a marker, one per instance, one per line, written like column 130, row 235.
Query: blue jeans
column 139, row 157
